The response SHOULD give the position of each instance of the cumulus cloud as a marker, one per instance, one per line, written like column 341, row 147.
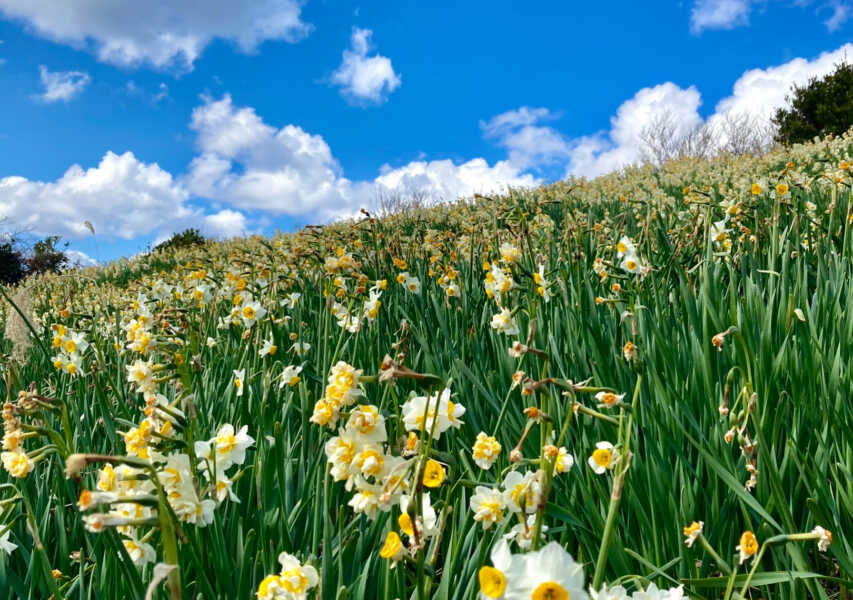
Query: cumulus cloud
column 76, row 258
column 622, row 144
column 162, row 34
column 530, row 145
column 225, row 224
column 362, row 78
column 122, row 197
column 760, row 91
column 445, row 180
column 248, row 164
column 719, row 14
column 61, row 85
column 756, row 94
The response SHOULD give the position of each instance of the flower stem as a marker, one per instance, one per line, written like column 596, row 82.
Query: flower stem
column 616, row 493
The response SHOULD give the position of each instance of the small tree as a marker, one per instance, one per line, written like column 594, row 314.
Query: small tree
column 11, row 263
column 821, row 107
column 47, row 257
column 188, row 237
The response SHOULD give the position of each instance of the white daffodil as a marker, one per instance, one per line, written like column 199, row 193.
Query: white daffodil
column 230, row 447
column 523, row 532
column 631, row 264
column 719, row 232
column 239, row 380
column 295, row 578
column 825, row 538
column 692, row 531
column 340, row 452
column 432, row 414
column 290, row 376
column 609, row 399
column 6, row 545
column 543, row 286
column 521, row 492
column 140, row 553
column 488, row 506
column 269, row 348
column 300, row 348
column 565, row 461
column 603, row 457
column 486, row 450
column 427, row 524
column 252, row 312
column 493, row 579
column 509, row 253
column 504, row 322
column 368, row 424
column 548, row 573
column 291, row 300
column 625, row 246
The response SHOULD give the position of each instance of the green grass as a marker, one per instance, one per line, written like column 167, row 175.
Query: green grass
column 800, row 372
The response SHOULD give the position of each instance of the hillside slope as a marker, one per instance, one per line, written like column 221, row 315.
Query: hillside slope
column 593, row 363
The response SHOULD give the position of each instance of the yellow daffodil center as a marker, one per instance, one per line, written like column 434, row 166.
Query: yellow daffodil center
column 248, row 312
column 267, row 583
column 692, row 528
column 550, row 590
column 294, row 581
column 748, row 543
column 225, row 442
column 601, row 456
column 492, row 582
column 370, row 462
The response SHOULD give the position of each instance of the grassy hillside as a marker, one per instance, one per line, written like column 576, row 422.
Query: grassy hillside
column 596, row 364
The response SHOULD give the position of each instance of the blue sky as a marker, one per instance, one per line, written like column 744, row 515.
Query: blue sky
column 146, row 118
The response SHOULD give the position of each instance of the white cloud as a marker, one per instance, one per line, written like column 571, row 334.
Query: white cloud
column 122, row 197
column 77, row 258
column 841, row 12
column 728, row 14
column 130, row 32
column 529, row 145
column 363, row 78
column 760, row 91
column 603, row 152
column 757, row 93
column 225, row 224
column 719, row 14
column 445, row 180
column 252, row 165
column 134, row 90
column 61, row 85
column 248, row 164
